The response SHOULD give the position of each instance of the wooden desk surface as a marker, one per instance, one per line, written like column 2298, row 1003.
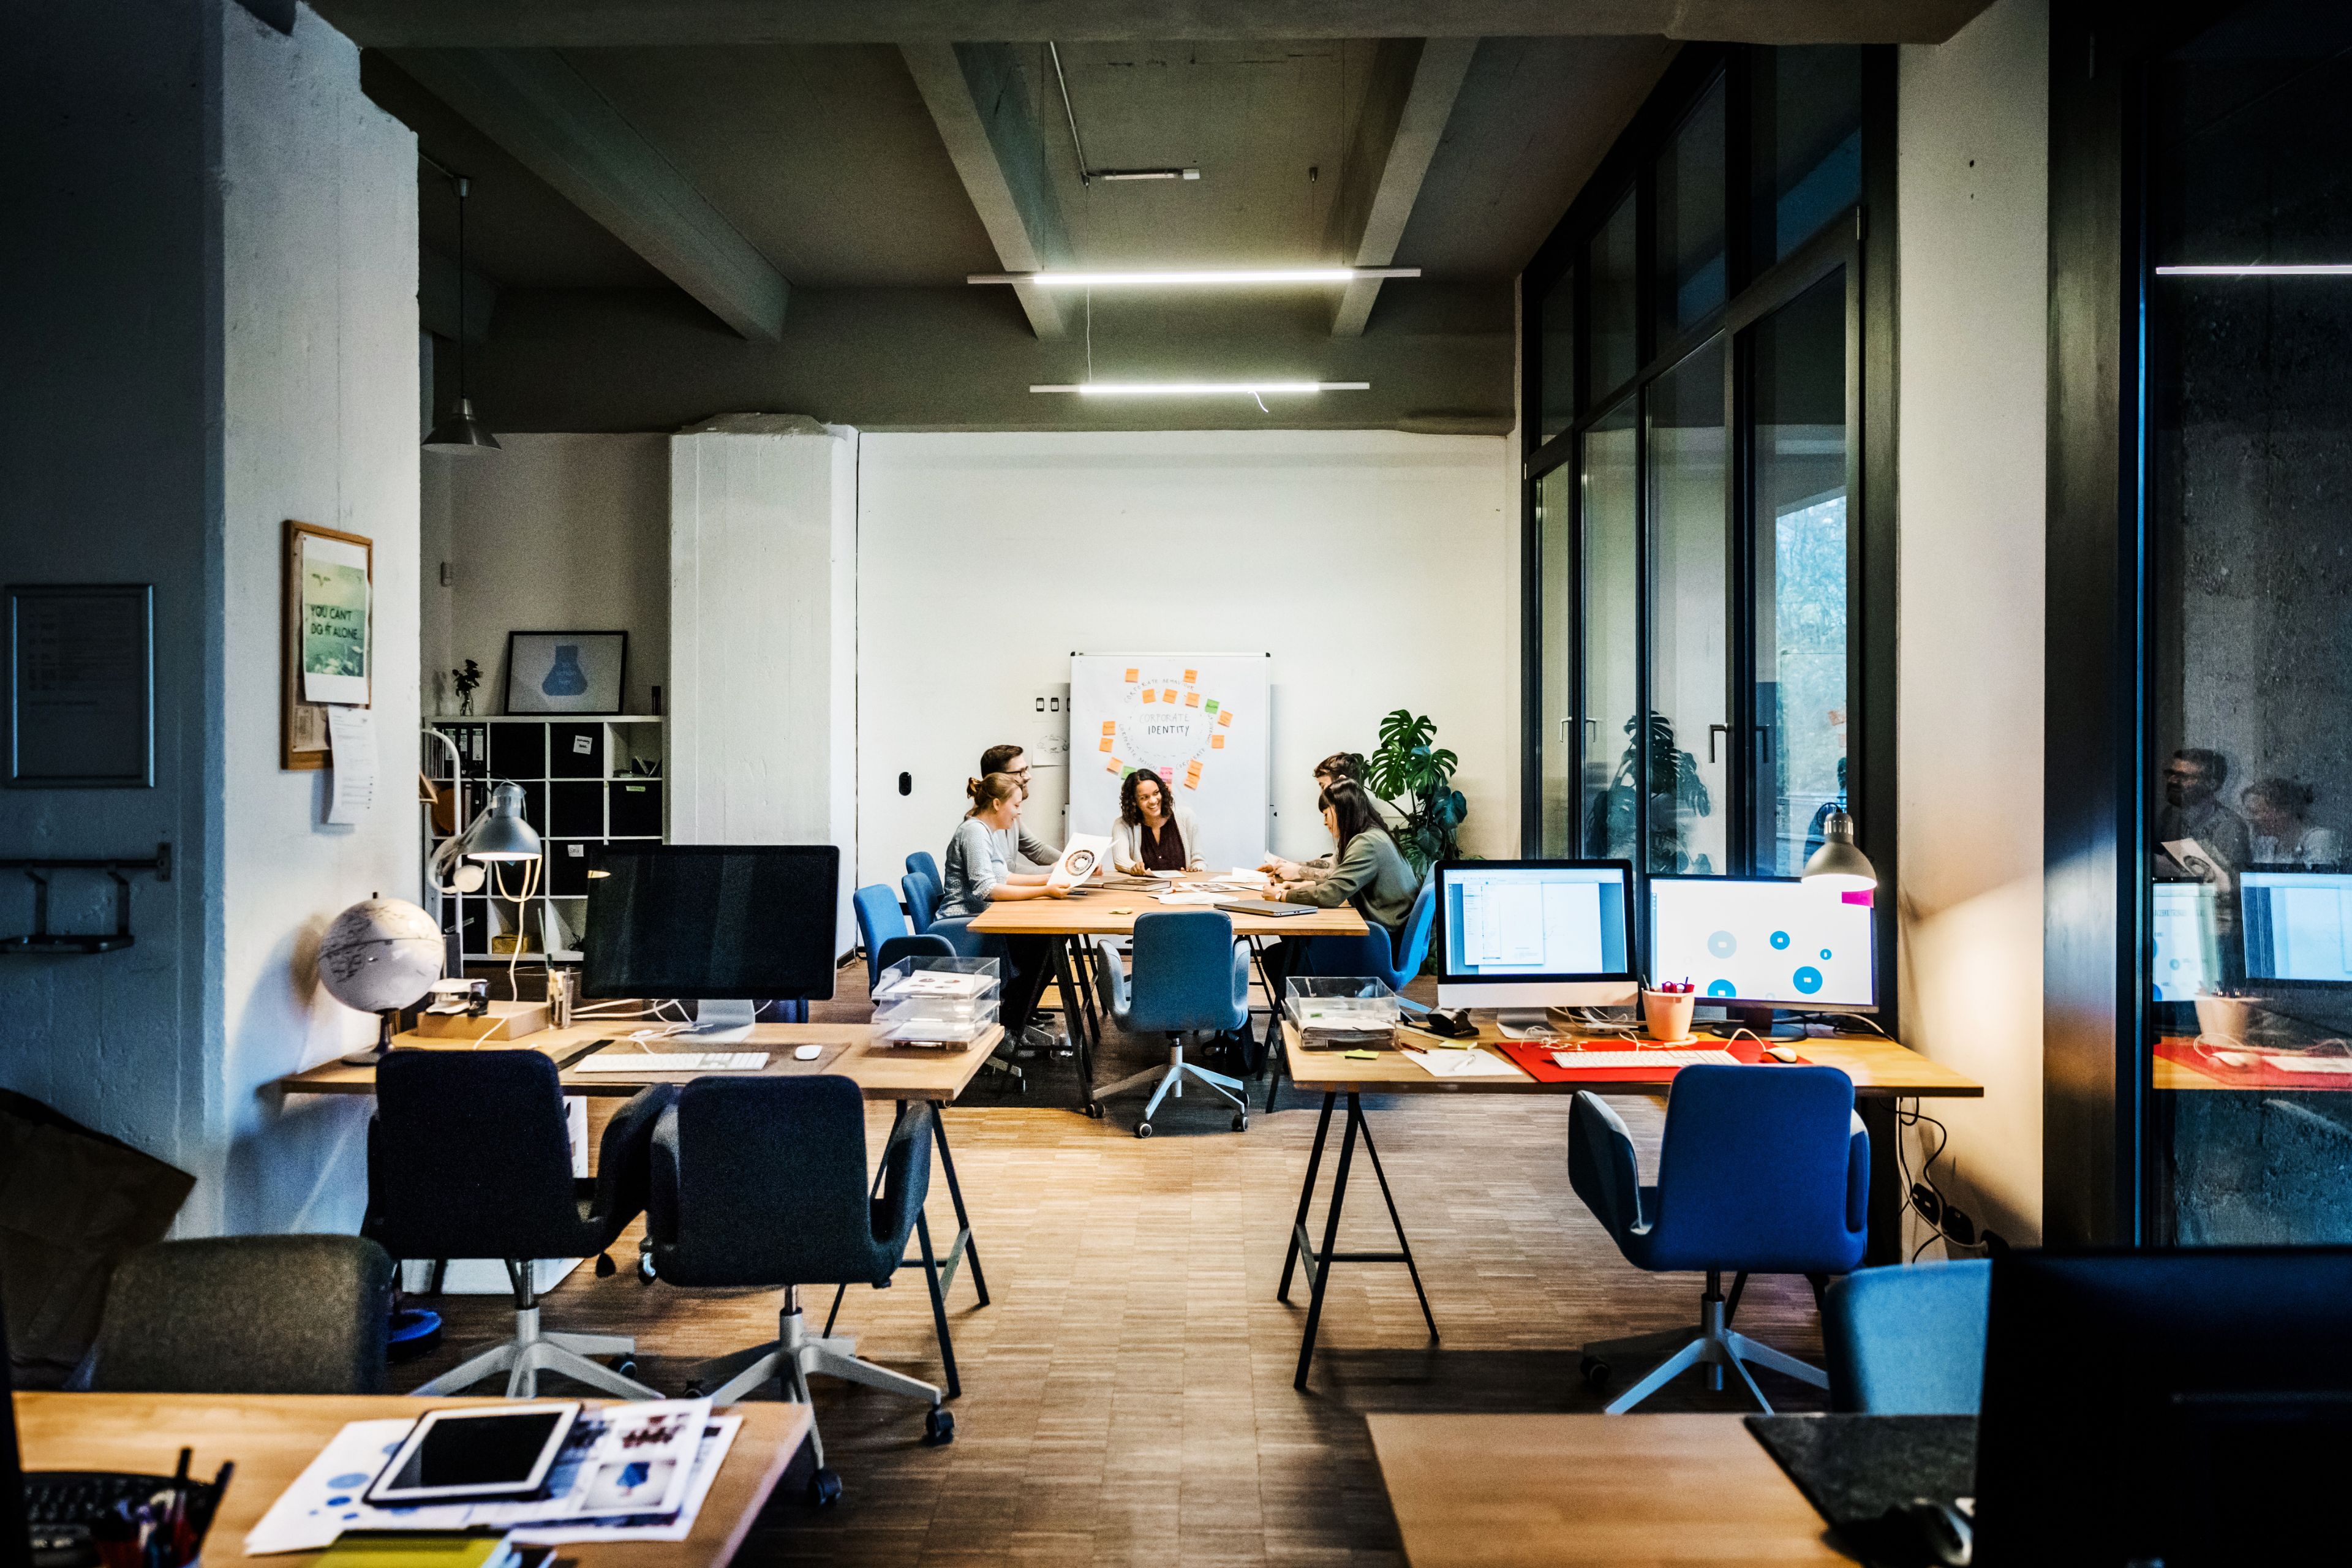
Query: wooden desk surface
column 271, row 1438
column 1516, row 1491
column 1878, row 1067
column 882, row 1071
column 1111, row 912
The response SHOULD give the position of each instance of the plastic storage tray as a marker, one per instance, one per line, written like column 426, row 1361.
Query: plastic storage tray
column 1341, row 1014
column 944, row 1002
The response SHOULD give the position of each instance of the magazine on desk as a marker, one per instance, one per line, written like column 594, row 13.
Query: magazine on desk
column 627, row 1472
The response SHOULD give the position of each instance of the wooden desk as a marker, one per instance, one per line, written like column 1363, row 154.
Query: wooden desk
column 1521, row 1491
column 1883, row 1071
column 272, row 1437
column 1071, row 924
column 854, row 1051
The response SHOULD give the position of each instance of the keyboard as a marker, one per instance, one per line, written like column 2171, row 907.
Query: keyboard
column 61, row 1505
column 679, row 1061
column 1618, row 1061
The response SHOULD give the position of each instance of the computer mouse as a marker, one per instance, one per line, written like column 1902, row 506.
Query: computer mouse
column 1937, row 1531
column 1781, row 1054
column 807, row 1053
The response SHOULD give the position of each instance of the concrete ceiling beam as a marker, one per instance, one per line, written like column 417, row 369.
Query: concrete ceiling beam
column 546, row 115
column 976, row 97
column 1412, row 98
column 495, row 24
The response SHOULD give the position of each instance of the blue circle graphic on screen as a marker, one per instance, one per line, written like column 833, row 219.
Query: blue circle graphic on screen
column 1723, row 945
column 1779, row 938
column 1825, row 953
column 1808, row 979
column 1721, row 988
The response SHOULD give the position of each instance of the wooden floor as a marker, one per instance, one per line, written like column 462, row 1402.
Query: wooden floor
column 1128, row 1397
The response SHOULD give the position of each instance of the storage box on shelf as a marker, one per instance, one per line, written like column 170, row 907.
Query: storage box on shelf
column 586, row 782
column 943, row 1002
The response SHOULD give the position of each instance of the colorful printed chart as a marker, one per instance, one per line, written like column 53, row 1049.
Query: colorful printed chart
column 1197, row 720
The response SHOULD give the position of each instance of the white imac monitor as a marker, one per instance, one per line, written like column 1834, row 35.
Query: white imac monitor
column 2298, row 925
column 2185, row 960
column 1764, row 942
column 1525, row 935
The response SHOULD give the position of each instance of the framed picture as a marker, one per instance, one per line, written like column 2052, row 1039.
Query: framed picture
column 565, row 672
column 82, row 686
column 330, row 635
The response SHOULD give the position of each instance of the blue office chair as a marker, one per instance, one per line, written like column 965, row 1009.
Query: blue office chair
column 879, row 920
column 922, row 896
column 1189, row 977
column 1764, row 1169
column 923, row 863
column 932, row 944
column 1373, row 953
column 1909, row 1341
column 762, row 1182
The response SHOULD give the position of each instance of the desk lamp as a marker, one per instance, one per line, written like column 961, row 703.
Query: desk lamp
column 1839, row 863
column 502, row 833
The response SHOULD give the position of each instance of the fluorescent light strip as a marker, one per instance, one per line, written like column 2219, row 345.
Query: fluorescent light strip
column 1200, row 388
column 1226, row 278
column 2264, row 270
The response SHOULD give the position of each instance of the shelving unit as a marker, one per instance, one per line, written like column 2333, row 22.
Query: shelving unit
column 579, row 790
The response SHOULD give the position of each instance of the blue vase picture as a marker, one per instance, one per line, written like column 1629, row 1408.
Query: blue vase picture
column 565, row 677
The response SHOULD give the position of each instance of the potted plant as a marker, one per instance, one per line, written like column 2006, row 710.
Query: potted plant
column 1416, row 779
column 1674, row 785
column 465, row 678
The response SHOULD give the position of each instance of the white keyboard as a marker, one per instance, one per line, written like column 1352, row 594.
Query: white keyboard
column 1620, row 1060
column 676, row 1061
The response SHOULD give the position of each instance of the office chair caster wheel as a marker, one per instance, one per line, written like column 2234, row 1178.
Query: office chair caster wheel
column 1241, row 1120
column 693, row 1390
column 646, row 1274
column 1595, row 1371
column 824, row 1486
column 605, row 1266
column 939, row 1427
column 627, row 1366
column 1094, row 1110
column 1143, row 1130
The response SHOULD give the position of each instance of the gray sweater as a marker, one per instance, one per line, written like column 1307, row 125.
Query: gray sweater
column 972, row 866
column 1372, row 874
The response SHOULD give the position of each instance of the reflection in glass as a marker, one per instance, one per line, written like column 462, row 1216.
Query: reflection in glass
column 1615, row 348
column 1612, row 535
column 1689, row 206
column 1690, row 737
column 1800, row 576
column 1555, row 318
column 2249, row 765
column 1555, row 563
column 1806, row 128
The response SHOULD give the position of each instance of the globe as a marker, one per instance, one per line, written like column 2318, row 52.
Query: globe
column 380, row 954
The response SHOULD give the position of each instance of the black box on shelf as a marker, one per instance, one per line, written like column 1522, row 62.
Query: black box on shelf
column 519, row 752
column 575, row 808
column 575, row 751
column 567, row 869
column 636, row 808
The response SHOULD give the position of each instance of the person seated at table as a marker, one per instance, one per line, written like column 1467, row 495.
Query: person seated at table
column 976, row 874
column 1022, row 852
column 1338, row 765
column 1367, row 872
column 1153, row 833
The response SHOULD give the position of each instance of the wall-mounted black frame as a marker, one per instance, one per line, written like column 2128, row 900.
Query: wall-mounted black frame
column 1862, row 242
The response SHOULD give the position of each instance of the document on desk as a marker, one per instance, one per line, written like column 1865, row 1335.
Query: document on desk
column 1204, row 900
column 1461, row 1064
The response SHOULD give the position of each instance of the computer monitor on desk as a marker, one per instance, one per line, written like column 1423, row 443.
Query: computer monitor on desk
column 722, row 924
column 1525, row 935
column 1752, row 944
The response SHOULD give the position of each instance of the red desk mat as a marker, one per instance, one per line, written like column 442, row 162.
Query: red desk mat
column 2255, row 1074
column 1534, row 1059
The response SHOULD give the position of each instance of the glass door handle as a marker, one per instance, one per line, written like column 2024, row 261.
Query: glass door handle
column 1712, row 729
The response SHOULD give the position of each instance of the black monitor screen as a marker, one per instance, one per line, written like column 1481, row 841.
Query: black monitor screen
column 711, row 921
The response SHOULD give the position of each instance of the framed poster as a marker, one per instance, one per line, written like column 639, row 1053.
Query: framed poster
column 565, row 672
column 82, row 686
column 329, row 637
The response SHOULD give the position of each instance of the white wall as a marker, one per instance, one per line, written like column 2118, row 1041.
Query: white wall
column 551, row 533
column 1973, row 161
column 1380, row 570
column 227, row 268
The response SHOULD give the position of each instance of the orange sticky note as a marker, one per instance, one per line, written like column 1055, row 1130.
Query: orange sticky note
column 1106, row 742
column 1192, row 699
column 1226, row 717
column 1192, row 775
column 1110, row 726
column 1190, row 676
column 1112, row 766
column 1151, row 694
column 1168, row 695
column 1133, row 676
column 1216, row 742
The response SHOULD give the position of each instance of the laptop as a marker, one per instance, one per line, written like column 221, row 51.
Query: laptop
column 1265, row 907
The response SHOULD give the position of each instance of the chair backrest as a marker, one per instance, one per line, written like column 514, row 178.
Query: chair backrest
column 1185, row 973
column 761, row 1181
column 923, row 893
column 1909, row 1341
column 923, row 863
column 1764, row 1168
column 470, row 1156
column 915, row 946
column 246, row 1314
column 879, row 920
column 1412, row 948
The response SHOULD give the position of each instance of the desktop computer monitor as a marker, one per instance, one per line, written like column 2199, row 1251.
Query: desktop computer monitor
column 2189, row 1406
column 2297, row 924
column 1754, row 944
column 1524, row 935
column 721, row 924
column 2184, row 947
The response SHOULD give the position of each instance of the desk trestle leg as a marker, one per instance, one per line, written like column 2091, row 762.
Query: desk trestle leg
column 1317, row 1261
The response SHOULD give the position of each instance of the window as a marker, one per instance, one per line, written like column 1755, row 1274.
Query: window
column 1616, row 349
column 1556, row 567
column 1611, row 524
column 1689, row 246
column 1806, row 132
column 1690, row 737
column 1558, row 355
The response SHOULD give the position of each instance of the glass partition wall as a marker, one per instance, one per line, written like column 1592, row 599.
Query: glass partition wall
column 1692, row 482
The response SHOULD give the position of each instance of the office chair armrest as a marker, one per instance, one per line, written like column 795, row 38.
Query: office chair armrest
column 623, row 1179
column 1601, row 1167
column 906, row 1178
column 1857, row 1177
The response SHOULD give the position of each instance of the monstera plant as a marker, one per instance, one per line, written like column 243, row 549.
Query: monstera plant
column 1416, row 779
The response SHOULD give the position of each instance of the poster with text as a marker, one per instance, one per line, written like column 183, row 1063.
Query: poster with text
column 1196, row 720
column 334, row 611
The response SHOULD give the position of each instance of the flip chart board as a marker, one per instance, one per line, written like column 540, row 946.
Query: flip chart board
column 1197, row 719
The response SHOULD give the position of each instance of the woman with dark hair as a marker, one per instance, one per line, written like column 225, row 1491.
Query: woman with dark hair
column 977, row 875
column 1338, row 765
column 1368, row 871
column 1153, row 833
column 2279, row 812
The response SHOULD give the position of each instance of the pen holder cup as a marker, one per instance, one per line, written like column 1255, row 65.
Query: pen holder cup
column 1666, row 1014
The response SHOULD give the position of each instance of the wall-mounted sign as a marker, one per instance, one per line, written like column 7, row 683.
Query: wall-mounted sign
column 82, row 686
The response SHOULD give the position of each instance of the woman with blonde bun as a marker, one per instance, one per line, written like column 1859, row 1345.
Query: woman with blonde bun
column 976, row 875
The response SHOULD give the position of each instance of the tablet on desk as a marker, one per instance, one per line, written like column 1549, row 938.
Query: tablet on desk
column 463, row 1456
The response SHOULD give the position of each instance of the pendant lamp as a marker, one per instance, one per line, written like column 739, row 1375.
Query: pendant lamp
column 461, row 435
